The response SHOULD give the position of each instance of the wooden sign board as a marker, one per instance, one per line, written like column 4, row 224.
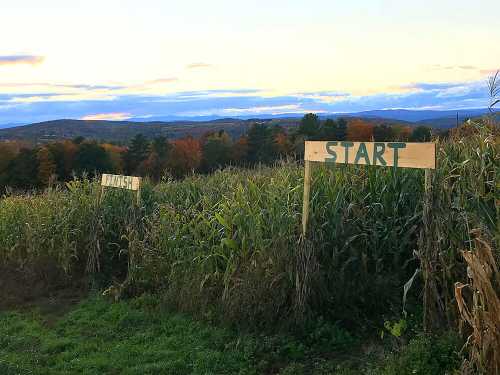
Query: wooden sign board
column 122, row 182
column 385, row 154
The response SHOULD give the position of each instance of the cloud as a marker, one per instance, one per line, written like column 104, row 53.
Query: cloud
column 158, row 81
column 56, row 86
column 117, row 116
column 198, row 65
column 21, row 59
column 468, row 67
column 451, row 67
column 431, row 86
column 162, row 80
column 489, row 71
column 116, row 105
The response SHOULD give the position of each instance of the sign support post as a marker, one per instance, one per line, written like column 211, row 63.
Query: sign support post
column 307, row 192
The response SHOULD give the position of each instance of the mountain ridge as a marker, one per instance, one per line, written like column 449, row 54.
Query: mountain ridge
column 122, row 131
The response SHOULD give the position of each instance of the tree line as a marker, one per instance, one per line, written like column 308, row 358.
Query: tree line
column 23, row 166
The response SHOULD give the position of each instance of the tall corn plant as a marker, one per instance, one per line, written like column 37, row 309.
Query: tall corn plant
column 464, row 197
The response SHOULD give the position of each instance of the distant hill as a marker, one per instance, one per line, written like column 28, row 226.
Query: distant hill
column 123, row 131
column 6, row 126
column 120, row 131
column 417, row 116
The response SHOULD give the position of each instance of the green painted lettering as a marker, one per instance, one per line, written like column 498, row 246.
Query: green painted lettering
column 346, row 146
column 396, row 146
column 378, row 153
column 332, row 152
column 362, row 153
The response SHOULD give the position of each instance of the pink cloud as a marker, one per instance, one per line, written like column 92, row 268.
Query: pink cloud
column 162, row 80
column 114, row 116
column 198, row 65
column 489, row 71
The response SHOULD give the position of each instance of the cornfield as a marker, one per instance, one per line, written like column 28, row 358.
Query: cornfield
column 230, row 243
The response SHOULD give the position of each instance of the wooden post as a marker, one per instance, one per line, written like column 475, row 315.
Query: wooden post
column 428, row 181
column 101, row 196
column 427, row 256
column 307, row 191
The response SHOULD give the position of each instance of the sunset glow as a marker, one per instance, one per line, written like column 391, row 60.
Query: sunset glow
column 151, row 58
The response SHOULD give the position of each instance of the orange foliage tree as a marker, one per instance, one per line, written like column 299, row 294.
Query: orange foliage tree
column 359, row 131
column 8, row 151
column 283, row 144
column 69, row 153
column 115, row 155
column 185, row 156
column 46, row 166
column 239, row 150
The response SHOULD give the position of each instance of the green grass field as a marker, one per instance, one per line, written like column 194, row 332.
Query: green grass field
column 139, row 337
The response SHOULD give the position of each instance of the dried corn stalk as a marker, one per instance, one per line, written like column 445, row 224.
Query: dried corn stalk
column 479, row 307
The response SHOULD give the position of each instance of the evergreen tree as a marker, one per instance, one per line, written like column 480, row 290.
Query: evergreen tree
column 421, row 134
column 157, row 161
column 216, row 151
column 310, row 125
column 137, row 152
column 383, row 133
column 334, row 130
column 260, row 144
column 22, row 171
column 92, row 158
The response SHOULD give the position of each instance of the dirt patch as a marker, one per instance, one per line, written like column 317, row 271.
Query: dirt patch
column 19, row 291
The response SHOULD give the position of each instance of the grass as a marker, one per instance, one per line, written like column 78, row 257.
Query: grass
column 135, row 338
column 140, row 337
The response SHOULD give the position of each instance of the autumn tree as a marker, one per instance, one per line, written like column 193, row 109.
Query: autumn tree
column 283, row 144
column 359, row 131
column 115, row 154
column 157, row 161
column 8, row 151
column 239, row 151
column 46, row 167
column 185, row 156
column 63, row 155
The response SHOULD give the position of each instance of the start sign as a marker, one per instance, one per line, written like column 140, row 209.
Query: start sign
column 384, row 154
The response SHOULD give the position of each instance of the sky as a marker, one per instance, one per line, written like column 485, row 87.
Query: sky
column 124, row 59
